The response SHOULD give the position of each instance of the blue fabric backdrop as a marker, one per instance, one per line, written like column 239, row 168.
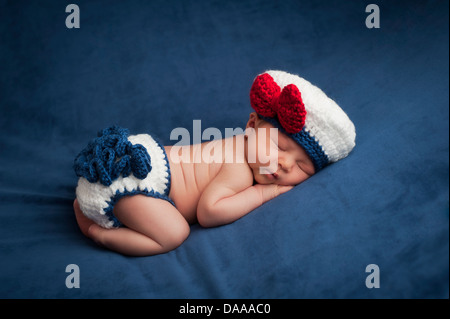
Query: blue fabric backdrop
column 152, row 66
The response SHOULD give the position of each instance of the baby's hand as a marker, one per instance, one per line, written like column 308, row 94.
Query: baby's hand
column 270, row 191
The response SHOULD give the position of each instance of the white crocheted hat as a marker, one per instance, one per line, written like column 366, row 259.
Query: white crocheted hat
column 305, row 113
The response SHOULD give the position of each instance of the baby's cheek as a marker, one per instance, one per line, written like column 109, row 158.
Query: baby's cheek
column 296, row 179
column 260, row 179
column 302, row 178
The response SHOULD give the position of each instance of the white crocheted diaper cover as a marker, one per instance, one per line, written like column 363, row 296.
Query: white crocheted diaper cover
column 115, row 165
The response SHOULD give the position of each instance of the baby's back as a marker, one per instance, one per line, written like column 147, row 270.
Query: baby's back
column 193, row 167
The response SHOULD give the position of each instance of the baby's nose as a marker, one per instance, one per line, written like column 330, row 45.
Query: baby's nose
column 271, row 167
column 286, row 162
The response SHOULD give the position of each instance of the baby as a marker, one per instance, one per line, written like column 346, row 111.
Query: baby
column 138, row 197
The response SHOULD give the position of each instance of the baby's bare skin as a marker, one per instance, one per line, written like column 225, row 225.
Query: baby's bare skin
column 189, row 179
column 205, row 188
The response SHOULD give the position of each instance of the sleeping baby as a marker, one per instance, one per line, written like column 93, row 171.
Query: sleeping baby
column 138, row 197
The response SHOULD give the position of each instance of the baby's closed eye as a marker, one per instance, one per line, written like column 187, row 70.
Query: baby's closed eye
column 305, row 167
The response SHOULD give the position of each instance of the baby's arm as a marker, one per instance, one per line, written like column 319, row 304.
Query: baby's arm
column 230, row 195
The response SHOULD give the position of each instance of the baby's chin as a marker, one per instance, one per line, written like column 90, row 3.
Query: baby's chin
column 264, row 179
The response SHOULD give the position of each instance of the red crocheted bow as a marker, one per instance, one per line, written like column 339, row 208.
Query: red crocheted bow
column 268, row 100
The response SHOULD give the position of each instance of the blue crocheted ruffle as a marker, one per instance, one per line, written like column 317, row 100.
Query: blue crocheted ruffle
column 111, row 155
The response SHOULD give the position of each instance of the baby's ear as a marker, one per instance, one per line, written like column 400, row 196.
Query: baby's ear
column 253, row 119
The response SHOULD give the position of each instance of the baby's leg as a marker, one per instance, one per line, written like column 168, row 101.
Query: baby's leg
column 83, row 222
column 154, row 226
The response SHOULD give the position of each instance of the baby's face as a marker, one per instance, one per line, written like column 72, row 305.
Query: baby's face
column 289, row 163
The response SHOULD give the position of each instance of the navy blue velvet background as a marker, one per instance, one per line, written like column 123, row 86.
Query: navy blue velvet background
column 152, row 66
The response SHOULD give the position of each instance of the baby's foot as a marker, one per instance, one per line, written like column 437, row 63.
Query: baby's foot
column 83, row 222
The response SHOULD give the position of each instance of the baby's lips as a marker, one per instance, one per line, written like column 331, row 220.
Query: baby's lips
column 267, row 170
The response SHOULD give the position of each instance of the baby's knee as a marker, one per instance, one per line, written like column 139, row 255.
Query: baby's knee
column 176, row 235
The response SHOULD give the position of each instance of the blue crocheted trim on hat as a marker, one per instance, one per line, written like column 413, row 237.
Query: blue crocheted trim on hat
column 312, row 148
column 307, row 142
column 110, row 155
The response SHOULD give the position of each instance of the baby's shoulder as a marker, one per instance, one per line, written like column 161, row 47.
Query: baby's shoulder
column 237, row 172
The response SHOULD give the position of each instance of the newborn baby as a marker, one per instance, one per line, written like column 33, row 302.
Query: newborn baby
column 137, row 197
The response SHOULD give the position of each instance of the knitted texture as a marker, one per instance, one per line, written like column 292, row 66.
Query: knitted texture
column 110, row 155
column 307, row 142
column 306, row 114
column 267, row 98
column 97, row 200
